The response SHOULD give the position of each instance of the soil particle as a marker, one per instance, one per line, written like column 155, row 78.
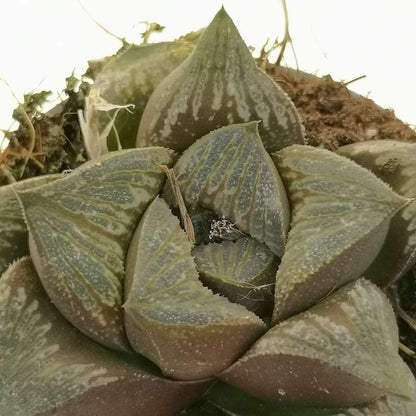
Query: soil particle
column 333, row 115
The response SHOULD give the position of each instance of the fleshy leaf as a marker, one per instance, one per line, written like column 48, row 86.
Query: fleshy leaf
column 189, row 332
column 244, row 271
column 341, row 352
column 13, row 230
column 80, row 228
column 395, row 163
column 48, row 367
column 223, row 399
column 218, row 85
column 229, row 172
column 340, row 217
column 130, row 77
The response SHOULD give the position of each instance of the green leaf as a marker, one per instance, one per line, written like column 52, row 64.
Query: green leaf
column 48, row 367
column 218, row 85
column 189, row 332
column 230, row 172
column 244, row 271
column 341, row 352
column 340, row 217
column 80, row 228
column 13, row 230
column 395, row 163
column 130, row 77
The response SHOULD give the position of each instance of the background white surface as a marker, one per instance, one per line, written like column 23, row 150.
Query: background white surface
column 42, row 41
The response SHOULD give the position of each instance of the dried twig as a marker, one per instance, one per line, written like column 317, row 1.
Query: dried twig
column 353, row 80
column 187, row 223
column 407, row 350
column 286, row 37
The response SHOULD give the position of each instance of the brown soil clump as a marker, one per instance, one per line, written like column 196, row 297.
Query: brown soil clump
column 333, row 115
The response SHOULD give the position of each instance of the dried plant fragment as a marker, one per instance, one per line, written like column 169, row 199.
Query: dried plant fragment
column 189, row 332
column 13, row 230
column 48, row 367
column 341, row 352
column 340, row 217
column 95, row 140
column 395, row 163
column 244, row 271
column 229, row 172
column 130, row 77
column 80, row 228
column 186, row 219
column 218, row 85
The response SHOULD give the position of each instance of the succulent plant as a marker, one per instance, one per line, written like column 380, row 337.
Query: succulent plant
column 235, row 286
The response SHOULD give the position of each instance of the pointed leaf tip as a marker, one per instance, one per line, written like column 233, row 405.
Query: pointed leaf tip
column 395, row 163
column 229, row 172
column 340, row 217
column 13, row 230
column 218, row 85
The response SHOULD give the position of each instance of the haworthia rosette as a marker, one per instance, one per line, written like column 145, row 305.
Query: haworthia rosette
column 189, row 332
column 218, row 85
column 395, row 163
column 130, row 77
column 13, row 230
column 80, row 228
column 341, row 352
column 230, row 172
column 340, row 217
column 244, row 271
column 48, row 367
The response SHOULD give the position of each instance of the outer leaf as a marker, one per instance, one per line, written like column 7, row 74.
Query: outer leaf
column 80, row 229
column 244, row 271
column 229, row 172
column 48, row 367
column 341, row 214
column 233, row 401
column 13, row 230
column 130, row 77
column 395, row 163
column 169, row 316
column 341, row 352
column 218, row 85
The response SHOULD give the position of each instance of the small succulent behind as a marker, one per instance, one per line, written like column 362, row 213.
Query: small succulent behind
column 122, row 303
